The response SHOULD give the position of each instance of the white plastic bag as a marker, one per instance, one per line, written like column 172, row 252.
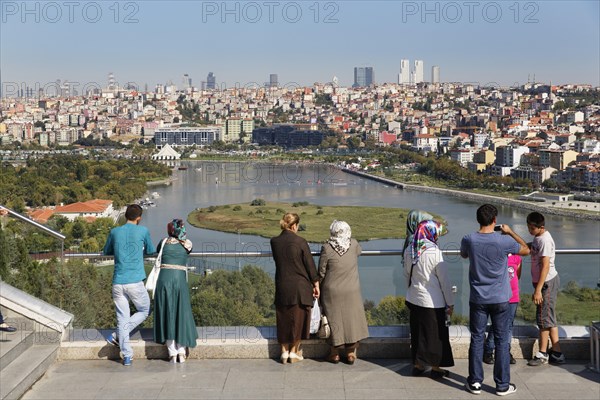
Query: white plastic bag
column 315, row 317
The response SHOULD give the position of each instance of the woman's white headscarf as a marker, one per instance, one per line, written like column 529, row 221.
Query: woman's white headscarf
column 340, row 236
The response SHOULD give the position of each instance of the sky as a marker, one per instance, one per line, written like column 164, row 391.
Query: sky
column 242, row 42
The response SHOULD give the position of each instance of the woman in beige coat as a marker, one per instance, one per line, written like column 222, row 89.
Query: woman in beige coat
column 341, row 297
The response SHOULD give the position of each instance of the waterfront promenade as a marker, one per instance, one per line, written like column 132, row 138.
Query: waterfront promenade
column 310, row 379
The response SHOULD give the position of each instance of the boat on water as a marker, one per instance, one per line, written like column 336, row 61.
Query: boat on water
column 199, row 169
column 182, row 168
column 155, row 195
column 147, row 203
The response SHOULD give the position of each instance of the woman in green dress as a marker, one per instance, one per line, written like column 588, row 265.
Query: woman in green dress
column 174, row 323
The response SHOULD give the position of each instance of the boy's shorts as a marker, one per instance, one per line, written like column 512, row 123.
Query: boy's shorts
column 545, row 313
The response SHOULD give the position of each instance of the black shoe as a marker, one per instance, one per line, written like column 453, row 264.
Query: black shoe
column 474, row 388
column 417, row 371
column 7, row 328
column 488, row 358
column 512, row 359
column 439, row 374
column 554, row 359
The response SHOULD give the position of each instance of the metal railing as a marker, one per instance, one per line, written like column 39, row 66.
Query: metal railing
column 241, row 254
column 40, row 227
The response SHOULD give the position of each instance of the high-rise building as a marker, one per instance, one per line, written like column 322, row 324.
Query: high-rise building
column 186, row 81
column 211, row 81
column 435, row 74
column 404, row 76
column 418, row 72
column 363, row 76
column 273, row 81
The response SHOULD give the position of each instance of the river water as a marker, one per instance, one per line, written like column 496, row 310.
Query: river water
column 214, row 183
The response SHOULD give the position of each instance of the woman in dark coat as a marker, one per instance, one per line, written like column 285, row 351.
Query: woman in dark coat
column 296, row 285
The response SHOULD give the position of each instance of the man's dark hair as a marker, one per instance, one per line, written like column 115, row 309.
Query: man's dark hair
column 133, row 212
column 536, row 219
column 486, row 214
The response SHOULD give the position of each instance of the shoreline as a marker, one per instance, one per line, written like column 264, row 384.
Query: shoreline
column 477, row 197
column 450, row 192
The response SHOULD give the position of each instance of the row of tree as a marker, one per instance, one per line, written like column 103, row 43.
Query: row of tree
column 67, row 179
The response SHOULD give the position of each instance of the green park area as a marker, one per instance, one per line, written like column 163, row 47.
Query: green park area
column 261, row 218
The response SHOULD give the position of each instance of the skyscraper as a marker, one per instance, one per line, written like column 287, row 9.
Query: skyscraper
column 418, row 72
column 211, row 81
column 186, row 81
column 363, row 76
column 273, row 81
column 404, row 76
column 435, row 74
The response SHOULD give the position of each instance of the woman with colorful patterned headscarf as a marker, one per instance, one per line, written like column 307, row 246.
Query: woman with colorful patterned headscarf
column 412, row 221
column 429, row 299
column 341, row 296
column 173, row 319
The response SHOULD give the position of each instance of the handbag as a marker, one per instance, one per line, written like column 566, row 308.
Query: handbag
column 324, row 330
column 315, row 317
column 153, row 275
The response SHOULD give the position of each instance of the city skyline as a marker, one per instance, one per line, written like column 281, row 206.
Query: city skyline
column 136, row 41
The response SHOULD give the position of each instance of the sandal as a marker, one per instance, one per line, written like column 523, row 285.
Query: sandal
column 333, row 358
column 351, row 358
column 295, row 358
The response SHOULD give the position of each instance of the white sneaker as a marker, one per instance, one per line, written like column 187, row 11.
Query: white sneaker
column 512, row 388
column 295, row 357
column 539, row 359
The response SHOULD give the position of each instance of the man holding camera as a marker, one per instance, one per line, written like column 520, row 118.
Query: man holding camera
column 487, row 251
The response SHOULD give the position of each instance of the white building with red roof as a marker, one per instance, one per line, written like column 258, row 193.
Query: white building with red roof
column 88, row 210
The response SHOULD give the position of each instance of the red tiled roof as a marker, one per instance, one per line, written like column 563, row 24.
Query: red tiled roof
column 92, row 206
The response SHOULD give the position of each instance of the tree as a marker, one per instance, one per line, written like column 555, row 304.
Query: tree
column 391, row 310
column 234, row 298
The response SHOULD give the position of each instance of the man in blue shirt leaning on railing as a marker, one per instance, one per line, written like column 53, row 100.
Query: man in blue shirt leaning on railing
column 128, row 243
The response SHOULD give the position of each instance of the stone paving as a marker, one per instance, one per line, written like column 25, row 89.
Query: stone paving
column 310, row 379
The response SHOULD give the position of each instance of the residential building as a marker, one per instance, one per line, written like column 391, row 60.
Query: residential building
column 462, row 156
column 536, row 174
column 558, row 159
column 425, row 142
column 233, row 129
column 510, row 156
column 386, row 138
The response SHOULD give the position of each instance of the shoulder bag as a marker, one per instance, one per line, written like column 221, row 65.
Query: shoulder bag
column 153, row 275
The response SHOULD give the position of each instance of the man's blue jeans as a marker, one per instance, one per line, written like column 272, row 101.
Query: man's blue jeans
column 500, row 315
column 122, row 294
column 489, row 341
